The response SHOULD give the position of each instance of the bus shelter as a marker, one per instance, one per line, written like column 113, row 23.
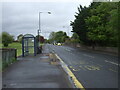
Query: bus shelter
column 29, row 45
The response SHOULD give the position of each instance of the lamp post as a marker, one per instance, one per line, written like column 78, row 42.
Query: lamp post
column 39, row 30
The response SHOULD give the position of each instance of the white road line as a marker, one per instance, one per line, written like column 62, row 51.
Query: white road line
column 112, row 62
column 89, row 56
column 68, row 50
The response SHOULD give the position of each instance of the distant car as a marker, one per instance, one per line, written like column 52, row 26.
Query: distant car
column 54, row 43
column 59, row 44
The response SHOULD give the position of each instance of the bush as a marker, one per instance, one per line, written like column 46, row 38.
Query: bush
column 6, row 39
column 75, row 40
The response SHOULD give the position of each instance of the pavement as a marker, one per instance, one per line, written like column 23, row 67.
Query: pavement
column 35, row 72
column 92, row 69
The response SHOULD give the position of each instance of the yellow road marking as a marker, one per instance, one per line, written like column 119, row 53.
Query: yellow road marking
column 76, row 82
column 82, row 67
column 71, row 67
column 92, row 67
column 75, row 69
column 87, row 67
column 112, row 70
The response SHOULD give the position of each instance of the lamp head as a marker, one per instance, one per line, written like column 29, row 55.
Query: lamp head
column 49, row 12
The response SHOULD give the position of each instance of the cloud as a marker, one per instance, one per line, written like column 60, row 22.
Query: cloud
column 23, row 17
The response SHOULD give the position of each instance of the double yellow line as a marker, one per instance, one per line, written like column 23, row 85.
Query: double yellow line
column 75, row 81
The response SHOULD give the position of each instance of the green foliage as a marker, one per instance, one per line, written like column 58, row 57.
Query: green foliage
column 6, row 39
column 41, row 39
column 47, row 41
column 75, row 38
column 58, row 37
column 97, row 24
column 118, row 26
column 74, row 41
column 112, row 28
column 19, row 38
column 96, row 29
column 16, row 45
column 79, row 25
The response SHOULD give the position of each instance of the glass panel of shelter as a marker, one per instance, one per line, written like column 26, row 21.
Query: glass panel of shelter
column 26, row 50
column 28, row 45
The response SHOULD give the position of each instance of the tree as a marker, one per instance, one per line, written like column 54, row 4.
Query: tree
column 118, row 26
column 79, row 25
column 96, row 29
column 6, row 39
column 75, row 38
column 41, row 39
column 19, row 38
column 52, row 37
column 97, row 24
column 58, row 37
column 112, row 26
column 101, row 24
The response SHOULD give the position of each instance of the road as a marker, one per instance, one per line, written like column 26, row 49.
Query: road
column 92, row 69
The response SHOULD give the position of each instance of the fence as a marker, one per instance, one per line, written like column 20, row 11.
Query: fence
column 9, row 55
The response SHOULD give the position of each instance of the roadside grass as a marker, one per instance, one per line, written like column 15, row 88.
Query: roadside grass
column 41, row 44
column 18, row 46
column 0, row 45
column 15, row 45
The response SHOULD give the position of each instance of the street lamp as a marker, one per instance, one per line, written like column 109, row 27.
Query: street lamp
column 39, row 30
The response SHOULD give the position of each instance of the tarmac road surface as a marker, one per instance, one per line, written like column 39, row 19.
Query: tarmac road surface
column 92, row 69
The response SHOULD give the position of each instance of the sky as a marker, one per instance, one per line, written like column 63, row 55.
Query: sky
column 23, row 17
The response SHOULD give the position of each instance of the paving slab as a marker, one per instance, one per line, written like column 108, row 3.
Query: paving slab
column 34, row 72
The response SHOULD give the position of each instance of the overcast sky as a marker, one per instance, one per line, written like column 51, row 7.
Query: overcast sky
column 23, row 17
